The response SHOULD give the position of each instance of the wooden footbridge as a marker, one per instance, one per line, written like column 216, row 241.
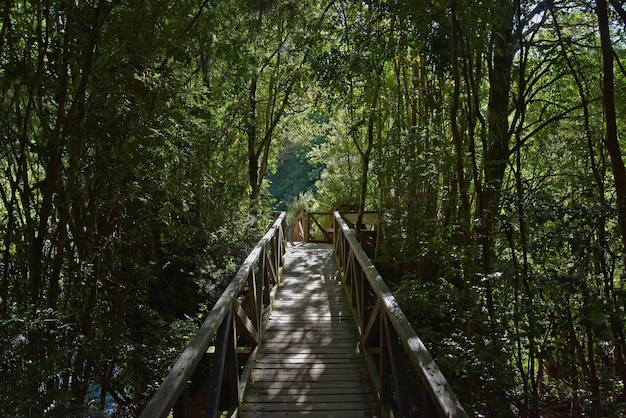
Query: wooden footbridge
column 307, row 327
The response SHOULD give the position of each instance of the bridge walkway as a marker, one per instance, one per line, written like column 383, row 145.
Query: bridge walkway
column 309, row 363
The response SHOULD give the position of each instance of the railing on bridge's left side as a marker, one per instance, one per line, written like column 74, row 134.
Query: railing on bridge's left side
column 232, row 329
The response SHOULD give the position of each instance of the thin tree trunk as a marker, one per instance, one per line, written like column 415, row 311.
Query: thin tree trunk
column 464, row 215
column 251, row 131
column 611, row 139
column 366, row 153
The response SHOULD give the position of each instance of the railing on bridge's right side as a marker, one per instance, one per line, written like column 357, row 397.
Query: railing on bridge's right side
column 394, row 353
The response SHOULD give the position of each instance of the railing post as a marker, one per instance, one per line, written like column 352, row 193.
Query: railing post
column 306, row 226
column 398, row 371
column 224, row 364
column 264, row 277
column 182, row 408
column 251, row 304
column 384, row 391
column 283, row 240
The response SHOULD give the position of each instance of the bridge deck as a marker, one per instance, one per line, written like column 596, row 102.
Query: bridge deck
column 309, row 363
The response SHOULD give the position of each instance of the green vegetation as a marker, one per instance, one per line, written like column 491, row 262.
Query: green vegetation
column 144, row 145
column 295, row 172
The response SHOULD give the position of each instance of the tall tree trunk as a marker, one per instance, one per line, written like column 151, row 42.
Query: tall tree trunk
column 497, row 152
column 502, row 50
column 617, row 163
column 464, row 215
column 366, row 153
column 611, row 140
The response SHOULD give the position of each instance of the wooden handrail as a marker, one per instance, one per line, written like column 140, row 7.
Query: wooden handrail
column 388, row 341
column 235, row 320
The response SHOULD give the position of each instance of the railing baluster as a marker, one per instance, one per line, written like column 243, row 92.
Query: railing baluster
column 252, row 300
column 231, row 368
column 398, row 371
column 264, row 278
column 182, row 408
column 384, row 372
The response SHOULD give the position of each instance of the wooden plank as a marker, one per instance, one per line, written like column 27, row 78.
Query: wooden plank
column 313, row 344
column 322, row 318
column 310, row 347
column 287, row 351
column 328, row 371
column 321, row 336
column 302, row 366
column 322, row 379
column 307, row 357
column 311, row 303
column 315, row 329
column 303, row 386
column 345, row 372
column 313, row 317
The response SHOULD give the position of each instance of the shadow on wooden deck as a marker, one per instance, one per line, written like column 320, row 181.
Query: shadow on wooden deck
column 309, row 364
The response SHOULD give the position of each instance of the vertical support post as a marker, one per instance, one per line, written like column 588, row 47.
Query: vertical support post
column 182, row 407
column 254, row 296
column 283, row 241
column 230, row 383
column 307, row 226
column 223, row 345
column 398, row 371
column 276, row 247
column 263, row 279
column 384, row 392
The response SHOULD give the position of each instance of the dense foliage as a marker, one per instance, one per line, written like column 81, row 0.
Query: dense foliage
column 488, row 134
column 139, row 141
column 125, row 192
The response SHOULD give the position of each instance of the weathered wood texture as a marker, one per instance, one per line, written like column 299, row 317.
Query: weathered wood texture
column 309, row 364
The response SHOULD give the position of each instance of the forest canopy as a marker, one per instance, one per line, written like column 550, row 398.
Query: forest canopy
column 145, row 145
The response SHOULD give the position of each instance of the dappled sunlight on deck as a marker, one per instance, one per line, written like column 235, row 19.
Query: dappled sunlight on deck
column 309, row 363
